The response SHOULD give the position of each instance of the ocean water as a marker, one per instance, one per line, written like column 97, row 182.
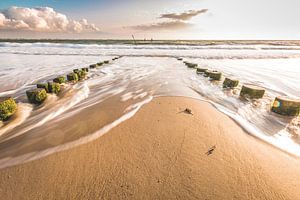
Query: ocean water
column 146, row 70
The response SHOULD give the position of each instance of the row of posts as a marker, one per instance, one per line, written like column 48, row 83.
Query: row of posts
column 37, row 96
column 282, row 105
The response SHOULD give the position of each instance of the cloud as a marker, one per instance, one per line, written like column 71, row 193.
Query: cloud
column 42, row 19
column 174, row 21
column 175, row 25
column 185, row 16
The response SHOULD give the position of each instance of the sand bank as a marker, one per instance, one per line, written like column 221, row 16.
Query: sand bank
column 160, row 153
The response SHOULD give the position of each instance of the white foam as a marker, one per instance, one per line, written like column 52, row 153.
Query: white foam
column 22, row 114
column 280, row 140
column 11, row 161
column 127, row 96
column 80, row 95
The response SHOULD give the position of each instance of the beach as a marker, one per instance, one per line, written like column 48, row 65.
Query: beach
column 149, row 100
column 161, row 153
column 141, row 121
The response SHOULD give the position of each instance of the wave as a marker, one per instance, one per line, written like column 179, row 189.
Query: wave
column 22, row 114
column 281, row 139
column 146, row 72
column 11, row 161
column 169, row 55
column 57, row 109
column 165, row 46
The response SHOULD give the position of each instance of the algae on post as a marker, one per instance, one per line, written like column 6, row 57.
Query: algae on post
column 60, row 80
column 53, row 87
column 50, row 87
column 8, row 107
column 230, row 83
column 215, row 75
column 36, row 96
column 85, row 69
column 252, row 92
column 44, row 86
column 72, row 77
column 81, row 74
column 201, row 70
column 191, row 65
column 286, row 106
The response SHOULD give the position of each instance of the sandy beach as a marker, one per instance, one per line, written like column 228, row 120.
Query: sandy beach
column 161, row 153
column 149, row 100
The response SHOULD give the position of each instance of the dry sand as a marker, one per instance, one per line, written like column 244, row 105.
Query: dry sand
column 160, row 153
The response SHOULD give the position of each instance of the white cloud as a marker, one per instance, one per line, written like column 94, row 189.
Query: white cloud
column 42, row 19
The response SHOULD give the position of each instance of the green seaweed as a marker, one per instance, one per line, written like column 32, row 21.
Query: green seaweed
column 215, row 76
column 8, row 107
column 72, row 77
column 230, row 83
column 44, row 86
column 81, row 74
column 50, row 87
column 36, row 96
column 287, row 108
column 54, row 87
column 252, row 93
column 106, row 62
column 85, row 69
column 60, row 80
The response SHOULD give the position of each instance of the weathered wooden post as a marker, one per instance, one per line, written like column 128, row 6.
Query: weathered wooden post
column 60, row 80
column 214, row 75
column 72, row 77
column 192, row 65
column 93, row 66
column 85, row 69
column 230, row 83
column 252, row 91
column 8, row 107
column 287, row 106
column 81, row 74
column 201, row 70
column 36, row 96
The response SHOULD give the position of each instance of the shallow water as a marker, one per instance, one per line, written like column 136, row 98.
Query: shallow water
column 114, row 92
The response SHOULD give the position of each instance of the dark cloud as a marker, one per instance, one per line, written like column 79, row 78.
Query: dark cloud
column 174, row 25
column 185, row 16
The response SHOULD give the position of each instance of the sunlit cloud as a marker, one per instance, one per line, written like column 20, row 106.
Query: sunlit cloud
column 175, row 21
column 42, row 19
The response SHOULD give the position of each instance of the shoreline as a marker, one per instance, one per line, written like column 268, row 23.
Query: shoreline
column 161, row 153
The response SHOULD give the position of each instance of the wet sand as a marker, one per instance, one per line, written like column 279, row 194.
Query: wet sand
column 160, row 153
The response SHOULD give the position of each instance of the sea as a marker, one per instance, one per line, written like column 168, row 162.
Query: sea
column 144, row 71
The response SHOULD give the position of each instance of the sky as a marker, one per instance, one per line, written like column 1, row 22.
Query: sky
column 157, row 19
